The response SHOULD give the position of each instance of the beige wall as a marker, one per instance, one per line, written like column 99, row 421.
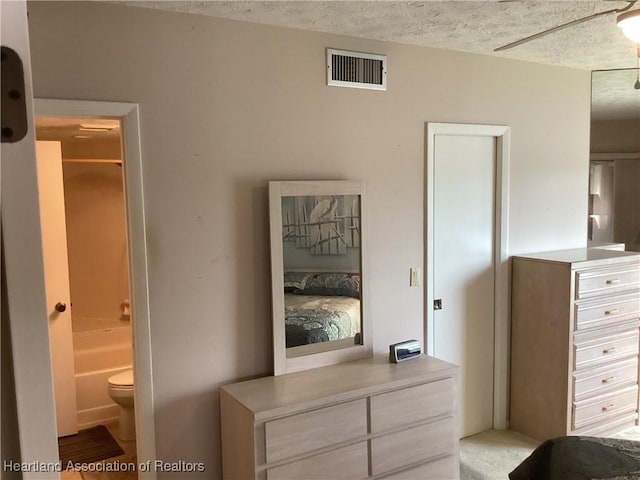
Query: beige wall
column 622, row 136
column 226, row 106
column 626, row 225
column 100, row 148
column 615, row 136
column 97, row 243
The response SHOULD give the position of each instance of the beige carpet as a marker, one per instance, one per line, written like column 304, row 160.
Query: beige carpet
column 631, row 434
column 491, row 455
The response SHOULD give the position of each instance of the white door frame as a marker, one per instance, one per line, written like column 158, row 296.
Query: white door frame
column 501, row 332
column 138, row 273
column 24, row 270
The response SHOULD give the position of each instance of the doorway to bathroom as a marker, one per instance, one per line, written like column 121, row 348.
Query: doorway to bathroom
column 83, row 221
column 94, row 322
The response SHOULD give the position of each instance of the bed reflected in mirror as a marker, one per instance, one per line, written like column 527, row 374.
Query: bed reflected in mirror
column 316, row 273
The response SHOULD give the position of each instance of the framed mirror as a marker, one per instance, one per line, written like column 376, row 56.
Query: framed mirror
column 318, row 252
column 614, row 170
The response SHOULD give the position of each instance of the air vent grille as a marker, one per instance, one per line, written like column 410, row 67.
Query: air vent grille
column 356, row 70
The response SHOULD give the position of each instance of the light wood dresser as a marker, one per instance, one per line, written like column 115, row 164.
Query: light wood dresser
column 363, row 419
column 574, row 344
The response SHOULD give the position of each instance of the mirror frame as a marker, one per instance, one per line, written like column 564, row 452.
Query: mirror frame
column 281, row 363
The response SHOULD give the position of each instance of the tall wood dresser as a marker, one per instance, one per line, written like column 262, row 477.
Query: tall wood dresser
column 574, row 343
column 356, row 420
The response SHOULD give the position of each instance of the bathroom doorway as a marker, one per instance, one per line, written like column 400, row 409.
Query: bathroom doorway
column 98, row 144
column 84, row 236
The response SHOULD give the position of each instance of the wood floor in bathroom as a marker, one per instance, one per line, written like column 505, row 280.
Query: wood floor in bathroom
column 129, row 456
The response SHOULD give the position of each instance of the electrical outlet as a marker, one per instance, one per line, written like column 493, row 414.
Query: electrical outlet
column 415, row 279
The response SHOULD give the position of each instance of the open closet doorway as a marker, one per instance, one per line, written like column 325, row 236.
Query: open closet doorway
column 89, row 162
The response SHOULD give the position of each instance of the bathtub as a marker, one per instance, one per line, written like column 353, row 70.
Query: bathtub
column 99, row 354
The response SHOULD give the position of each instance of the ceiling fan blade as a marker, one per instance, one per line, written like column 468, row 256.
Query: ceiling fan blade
column 563, row 26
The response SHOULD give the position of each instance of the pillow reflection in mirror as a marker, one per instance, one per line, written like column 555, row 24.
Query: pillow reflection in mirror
column 331, row 284
column 295, row 280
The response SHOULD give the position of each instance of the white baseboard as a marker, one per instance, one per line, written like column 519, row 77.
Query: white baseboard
column 100, row 415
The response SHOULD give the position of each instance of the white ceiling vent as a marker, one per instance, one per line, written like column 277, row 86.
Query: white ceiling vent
column 356, row 70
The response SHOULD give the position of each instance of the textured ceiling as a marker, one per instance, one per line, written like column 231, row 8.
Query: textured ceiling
column 471, row 26
column 613, row 96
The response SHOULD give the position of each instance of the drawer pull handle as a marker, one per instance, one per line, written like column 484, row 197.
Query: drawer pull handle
column 608, row 350
column 608, row 379
column 613, row 281
column 611, row 312
column 606, row 408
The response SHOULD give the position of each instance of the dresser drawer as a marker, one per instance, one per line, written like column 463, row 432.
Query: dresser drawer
column 595, row 381
column 610, row 426
column 305, row 432
column 343, row 463
column 605, row 349
column 607, row 311
column 412, row 445
column 447, row 467
column 607, row 280
column 601, row 408
column 410, row 405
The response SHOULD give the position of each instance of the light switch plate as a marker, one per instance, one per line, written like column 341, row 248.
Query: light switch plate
column 415, row 279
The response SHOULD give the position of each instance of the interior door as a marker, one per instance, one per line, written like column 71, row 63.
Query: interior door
column 56, row 274
column 24, row 287
column 463, row 269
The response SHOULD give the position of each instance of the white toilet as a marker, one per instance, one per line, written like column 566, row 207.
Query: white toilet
column 121, row 392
